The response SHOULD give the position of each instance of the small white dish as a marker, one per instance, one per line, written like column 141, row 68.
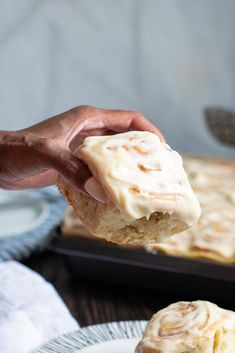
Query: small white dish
column 113, row 337
column 21, row 212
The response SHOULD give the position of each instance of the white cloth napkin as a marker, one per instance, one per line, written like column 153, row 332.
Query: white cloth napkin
column 31, row 312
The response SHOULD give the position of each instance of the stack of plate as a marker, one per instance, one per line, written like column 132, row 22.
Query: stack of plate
column 26, row 220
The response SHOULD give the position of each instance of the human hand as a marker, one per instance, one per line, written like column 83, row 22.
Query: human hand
column 33, row 157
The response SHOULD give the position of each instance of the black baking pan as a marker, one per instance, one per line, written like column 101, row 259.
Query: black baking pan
column 107, row 262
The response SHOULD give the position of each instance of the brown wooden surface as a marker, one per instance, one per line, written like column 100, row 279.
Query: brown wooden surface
column 92, row 303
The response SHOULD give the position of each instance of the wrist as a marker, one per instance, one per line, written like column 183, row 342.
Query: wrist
column 3, row 134
column 22, row 155
column 4, row 156
column 12, row 143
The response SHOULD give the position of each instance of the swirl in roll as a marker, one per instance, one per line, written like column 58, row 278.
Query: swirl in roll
column 190, row 327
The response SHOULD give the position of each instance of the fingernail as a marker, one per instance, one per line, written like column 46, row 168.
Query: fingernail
column 94, row 189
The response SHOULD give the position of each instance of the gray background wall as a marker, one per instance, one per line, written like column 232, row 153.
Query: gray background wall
column 168, row 59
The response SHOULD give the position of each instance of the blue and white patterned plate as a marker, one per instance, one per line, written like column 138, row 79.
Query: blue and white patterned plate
column 114, row 337
column 26, row 220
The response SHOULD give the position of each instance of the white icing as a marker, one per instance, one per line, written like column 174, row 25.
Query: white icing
column 140, row 175
column 213, row 237
column 190, row 327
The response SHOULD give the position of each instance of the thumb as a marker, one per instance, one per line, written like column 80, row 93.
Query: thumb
column 70, row 167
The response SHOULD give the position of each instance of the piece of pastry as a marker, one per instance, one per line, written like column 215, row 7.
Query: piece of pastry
column 213, row 238
column 215, row 174
column 190, row 327
column 147, row 193
column 72, row 225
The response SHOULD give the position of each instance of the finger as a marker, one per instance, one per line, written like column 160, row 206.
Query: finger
column 37, row 181
column 93, row 188
column 70, row 167
column 141, row 123
column 120, row 121
column 78, row 140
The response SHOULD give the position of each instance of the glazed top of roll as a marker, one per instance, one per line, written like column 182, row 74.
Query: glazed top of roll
column 140, row 175
column 192, row 327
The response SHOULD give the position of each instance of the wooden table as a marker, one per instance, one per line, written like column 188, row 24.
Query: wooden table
column 92, row 303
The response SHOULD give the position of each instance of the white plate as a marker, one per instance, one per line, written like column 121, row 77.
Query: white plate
column 114, row 337
column 20, row 212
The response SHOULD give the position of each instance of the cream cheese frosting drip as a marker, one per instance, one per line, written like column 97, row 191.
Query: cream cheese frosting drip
column 140, row 175
column 192, row 327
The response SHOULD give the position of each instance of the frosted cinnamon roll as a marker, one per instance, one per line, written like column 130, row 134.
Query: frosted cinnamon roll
column 144, row 192
column 213, row 238
column 190, row 327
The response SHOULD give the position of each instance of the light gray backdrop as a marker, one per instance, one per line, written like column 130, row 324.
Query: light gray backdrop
column 166, row 58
